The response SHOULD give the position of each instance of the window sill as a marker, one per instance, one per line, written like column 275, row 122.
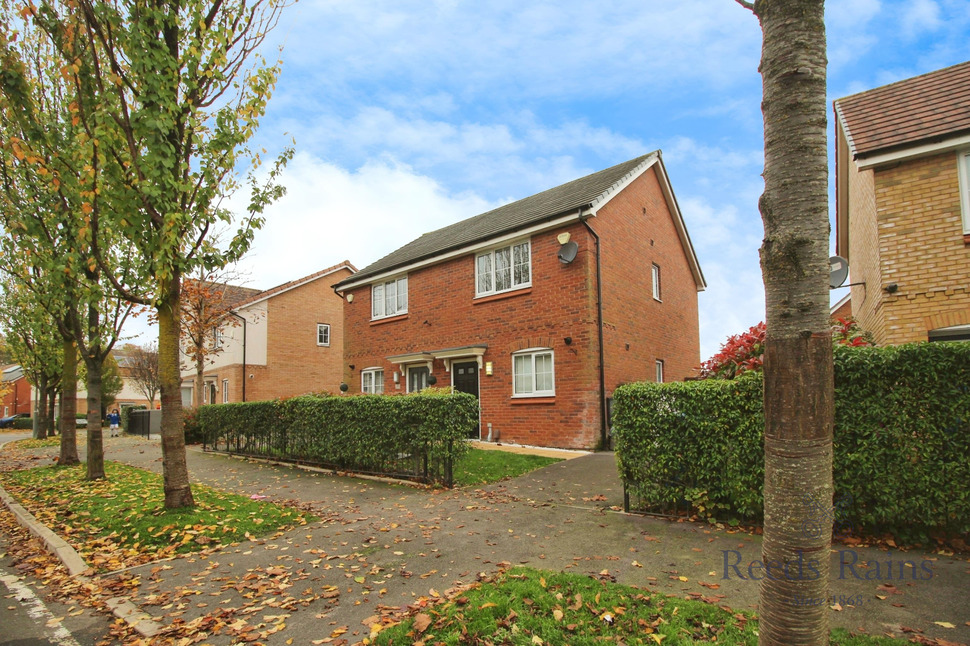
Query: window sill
column 498, row 297
column 547, row 399
column 389, row 319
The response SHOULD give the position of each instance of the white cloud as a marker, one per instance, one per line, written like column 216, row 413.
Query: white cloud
column 330, row 214
column 535, row 49
column 918, row 17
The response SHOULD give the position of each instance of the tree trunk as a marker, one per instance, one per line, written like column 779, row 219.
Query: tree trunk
column 799, row 387
column 94, row 362
column 178, row 493
column 51, row 409
column 95, row 440
column 69, row 453
column 40, row 410
column 199, row 378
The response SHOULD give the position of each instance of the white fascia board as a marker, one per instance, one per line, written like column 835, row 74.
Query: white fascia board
column 464, row 251
column 842, row 301
column 672, row 206
column 623, row 182
column 913, row 152
column 291, row 287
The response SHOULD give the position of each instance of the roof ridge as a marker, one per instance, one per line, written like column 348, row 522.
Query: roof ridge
column 512, row 216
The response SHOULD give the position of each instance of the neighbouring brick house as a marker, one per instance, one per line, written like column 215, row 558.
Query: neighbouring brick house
column 18, row 397
column 290, row 344
column 903, row 206
column 506, row 305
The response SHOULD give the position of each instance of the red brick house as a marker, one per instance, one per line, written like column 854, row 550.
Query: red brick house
column 903, row 206
column 540, row 307
column 17, row 397
column 291, row 343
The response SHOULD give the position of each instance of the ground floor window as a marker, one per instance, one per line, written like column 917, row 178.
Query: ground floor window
column 955, row 333
column 225, row 391
column 660, row 371
column 372, row 381
column 533, row 374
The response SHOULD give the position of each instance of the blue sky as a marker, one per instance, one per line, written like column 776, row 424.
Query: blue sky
column 410, row 115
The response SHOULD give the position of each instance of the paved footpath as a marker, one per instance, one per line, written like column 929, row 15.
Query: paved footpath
column 380, row 546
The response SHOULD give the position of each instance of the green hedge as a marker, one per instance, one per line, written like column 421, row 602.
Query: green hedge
column 901, row 437
column 418, row 436
column 24, row 423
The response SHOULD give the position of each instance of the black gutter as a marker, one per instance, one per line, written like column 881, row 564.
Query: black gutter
column 602, row 353
column 243, row 319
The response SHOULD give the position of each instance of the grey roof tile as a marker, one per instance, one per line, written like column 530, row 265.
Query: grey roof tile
column 520, row 214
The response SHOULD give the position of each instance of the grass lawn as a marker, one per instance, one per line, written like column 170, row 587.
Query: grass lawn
column 481, row 466
column 530, row 607
column 121, row 520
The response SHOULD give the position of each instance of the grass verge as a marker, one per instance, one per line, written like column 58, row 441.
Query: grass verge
column 530, row 607
column 121, row 521
column 481, row 466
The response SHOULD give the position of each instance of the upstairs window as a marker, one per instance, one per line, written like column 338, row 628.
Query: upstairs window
column 390, row 298
column 323, row 334
column 504, row 269
column 656, row 281
column 533, row 374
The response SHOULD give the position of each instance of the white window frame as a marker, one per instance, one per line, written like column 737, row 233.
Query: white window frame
column 659, row 376
column 485, row 279
column 533, row 353
column 225, row 391
column 218, row 339
column 325, row 329
column 963, row 162
column 376, row 375
column 655, row 280
column 379, row 309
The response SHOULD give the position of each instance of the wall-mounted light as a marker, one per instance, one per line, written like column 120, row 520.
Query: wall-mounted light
column 397, row 376
column 488, row 368
column 432, row 380
column 568, row 340
column 344, row 387
column 351, row 366
column 891, row 288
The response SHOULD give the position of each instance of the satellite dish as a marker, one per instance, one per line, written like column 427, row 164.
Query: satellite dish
column 567, row 252
column 838, row 271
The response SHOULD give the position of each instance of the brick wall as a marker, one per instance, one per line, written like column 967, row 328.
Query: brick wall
column 18, row 399
column 637, row 232
column 295, row 364
column 561, row 304
column 921, row 249
column 863, row 255
column 444, row 313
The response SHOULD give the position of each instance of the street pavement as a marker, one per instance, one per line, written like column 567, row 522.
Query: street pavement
column 380, row 547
